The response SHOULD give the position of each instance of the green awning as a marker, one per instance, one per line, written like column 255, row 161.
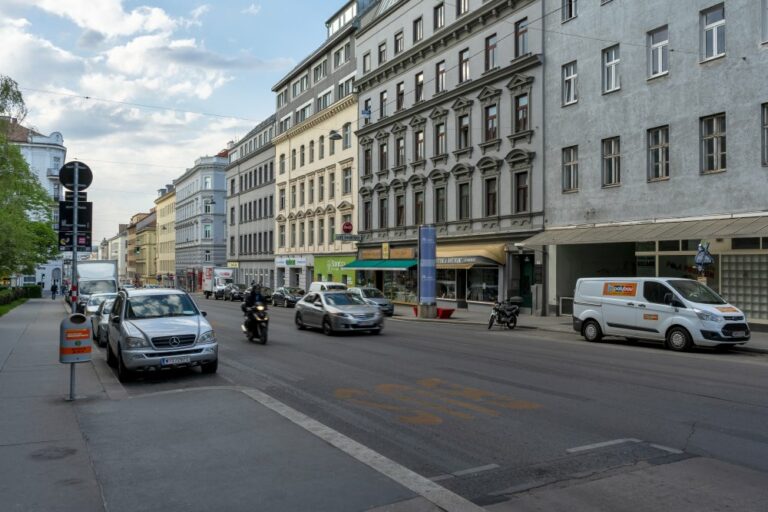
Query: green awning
column 381, row 265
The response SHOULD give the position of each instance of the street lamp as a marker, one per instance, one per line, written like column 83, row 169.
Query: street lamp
column 334, row 135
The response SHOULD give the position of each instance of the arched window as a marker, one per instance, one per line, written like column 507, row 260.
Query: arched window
column 301, row 156
column 321, row 148
column 311, row 151
column 293, row 159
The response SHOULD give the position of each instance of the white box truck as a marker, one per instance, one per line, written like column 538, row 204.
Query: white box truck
column 97, row 276
column 215, row 279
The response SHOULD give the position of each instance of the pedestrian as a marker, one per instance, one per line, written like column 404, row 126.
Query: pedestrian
column 54, row 289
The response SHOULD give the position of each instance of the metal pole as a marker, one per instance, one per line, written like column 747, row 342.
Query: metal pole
column 75, row 205
column 71, row 381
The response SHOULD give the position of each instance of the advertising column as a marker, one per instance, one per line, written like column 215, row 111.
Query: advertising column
column 427, row 271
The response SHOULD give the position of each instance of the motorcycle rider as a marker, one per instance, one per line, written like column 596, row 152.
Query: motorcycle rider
column 254, row 296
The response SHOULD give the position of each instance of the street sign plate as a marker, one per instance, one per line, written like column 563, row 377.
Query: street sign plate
column 83, row 241
column 70, row 196
column 348, row 238
column 67, row 175
column 67, row 217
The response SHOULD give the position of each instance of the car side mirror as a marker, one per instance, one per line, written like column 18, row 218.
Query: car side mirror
column 318, row 304
column 204, row 313
column 668, row 299
column 115, row 320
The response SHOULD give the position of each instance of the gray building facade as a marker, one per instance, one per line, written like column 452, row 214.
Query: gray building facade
column 656, row 119
column 251, row 206
column 450, row 133
column 201, row 220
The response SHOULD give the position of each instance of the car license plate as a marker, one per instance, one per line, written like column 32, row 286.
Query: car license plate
column 366, row 324
column 738, row 334
column 166, row 361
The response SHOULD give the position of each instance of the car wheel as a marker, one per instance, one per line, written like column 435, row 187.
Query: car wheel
column 299, row 322
column 591, row 331
column 123, row 373
column 327, row 329
column 210, row 367
column 678, row 339
column 111, row 359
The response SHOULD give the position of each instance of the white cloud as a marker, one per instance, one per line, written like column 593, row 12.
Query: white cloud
column 252, row 9
column 14, row 22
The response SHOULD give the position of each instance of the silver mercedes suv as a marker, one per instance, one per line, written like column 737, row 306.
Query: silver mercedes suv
column 153, row 329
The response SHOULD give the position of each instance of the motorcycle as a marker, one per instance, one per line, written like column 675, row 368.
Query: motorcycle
column 504, row 313
column 256, row 324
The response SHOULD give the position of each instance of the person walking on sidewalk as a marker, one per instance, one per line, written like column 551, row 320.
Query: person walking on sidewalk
column 54, row 289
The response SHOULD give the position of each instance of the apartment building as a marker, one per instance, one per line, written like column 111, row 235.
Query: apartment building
column 165, row 208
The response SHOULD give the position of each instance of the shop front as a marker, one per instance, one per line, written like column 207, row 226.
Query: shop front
column 296, row 271
column 471, row 272
column 333, row 268
column 390, row 269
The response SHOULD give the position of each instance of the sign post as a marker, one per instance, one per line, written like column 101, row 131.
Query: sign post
column 427, row 271
column 75, row 176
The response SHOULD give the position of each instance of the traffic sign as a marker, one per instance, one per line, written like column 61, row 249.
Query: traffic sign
column 83, row 241
column 348, row 238
column 67, row 175
column 70, row 196
column 67, row 218
column 347, row 227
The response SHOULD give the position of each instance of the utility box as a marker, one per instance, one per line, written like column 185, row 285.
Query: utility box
column 75, row 340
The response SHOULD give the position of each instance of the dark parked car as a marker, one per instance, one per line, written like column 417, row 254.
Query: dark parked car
column 287, row 296
column 234, row 292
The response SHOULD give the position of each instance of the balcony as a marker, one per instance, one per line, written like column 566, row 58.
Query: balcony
column 52, row 173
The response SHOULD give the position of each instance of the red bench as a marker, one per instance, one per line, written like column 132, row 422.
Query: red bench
column 442, row 313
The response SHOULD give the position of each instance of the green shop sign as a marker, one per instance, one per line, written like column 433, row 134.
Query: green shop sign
column 334, row 266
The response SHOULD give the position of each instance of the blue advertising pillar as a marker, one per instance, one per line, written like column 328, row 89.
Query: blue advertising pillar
column 427, row 271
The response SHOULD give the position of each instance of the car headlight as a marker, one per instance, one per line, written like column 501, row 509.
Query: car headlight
column 133, row 342
column 207, row 337
column 709, row 317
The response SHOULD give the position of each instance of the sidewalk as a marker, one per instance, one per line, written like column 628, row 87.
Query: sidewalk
column 217, row 447
column 562, row 324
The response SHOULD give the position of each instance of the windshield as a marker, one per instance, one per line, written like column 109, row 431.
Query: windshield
column 158, row 306
column 343, row 299
column 372, row 293
column 97, row 300
column 696, row 292
column 107, row 309
column 91, row 287
column 294, row 291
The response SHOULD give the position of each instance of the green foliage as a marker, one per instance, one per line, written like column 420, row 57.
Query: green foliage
column 27, row 238
column 9, row 295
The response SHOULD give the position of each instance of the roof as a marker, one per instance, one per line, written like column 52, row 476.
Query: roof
column 142, row 292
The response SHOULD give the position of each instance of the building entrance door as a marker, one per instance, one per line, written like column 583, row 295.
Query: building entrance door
column 526, row 280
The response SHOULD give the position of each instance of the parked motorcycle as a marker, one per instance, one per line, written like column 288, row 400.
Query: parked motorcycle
column 256, row 324
column 504, row 313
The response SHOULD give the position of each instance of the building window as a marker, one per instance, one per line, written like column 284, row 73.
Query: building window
column 765, row 134
column 418, row 146
column 346, row 136
column 521, row 37
column 207, row 256
column 568, row 10
column 321, row 147
column 658, row 153
column 301, row 234
column 321, row 231
column 611, row 161
column 419, row 87
column 399, row 42
column 462, row 7
column 400, row 210
column 570, row 84
column 331, row 229
column 382, row 53
column 366, row 216
column 293, row 159
column 207, row 206
column 366, row 113
column 207, row 183
column 367, row 62
column 207, row 231
column 490, row 52
column 713, row 40
column 491, row 197
column 418, row 207
column 282, row 164
column 311, row 192
column 383, row 157
column 658, row 52
column 570, row 168
column 440, row 76
column 440, row 206
column 281, row 199
column 301, row 194
column 399, row 151
column 611, row 59
column 301, row 156
column 713, row 143
column 331, row 185
column 311, row 151
column 383, row 104
column 346, row 176
column 367, row 161
column 331, row 146
column 293, row 196
column 320, row 71
column 464, row 201
column 399, row 96
column 463, row 66
column 463, row 134
column 418, row 30
column 311, row 232
column 440, row 142
column 491, row 123
column 439, row 16
column 320, row 188
column 521, row 192
column 383, row 213
column 521, row 121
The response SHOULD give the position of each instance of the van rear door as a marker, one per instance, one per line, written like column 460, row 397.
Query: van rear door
column 620, row 307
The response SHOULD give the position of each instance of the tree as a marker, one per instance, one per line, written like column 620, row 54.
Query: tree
column 27, row 238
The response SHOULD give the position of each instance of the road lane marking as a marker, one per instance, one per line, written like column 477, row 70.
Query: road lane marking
column 479, row 469
column 595, row 446
column 667, row 449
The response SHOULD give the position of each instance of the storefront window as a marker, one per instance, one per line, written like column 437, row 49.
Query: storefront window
column 685, row 267
column 446, row 284
column 401, row 286
column 483, row 284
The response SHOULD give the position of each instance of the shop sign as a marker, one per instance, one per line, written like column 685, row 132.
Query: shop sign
column 344, row 237
column 370, row 254
column 459, row 260
column 233, row 264
column 385, row 251
column 291, row 262
column 402, row 253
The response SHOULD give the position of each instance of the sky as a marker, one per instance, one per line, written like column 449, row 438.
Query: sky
column 208, row 67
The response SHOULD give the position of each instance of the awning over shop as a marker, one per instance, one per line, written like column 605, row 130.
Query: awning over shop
column 651, row 231
column 381, row 265
column 466, row 256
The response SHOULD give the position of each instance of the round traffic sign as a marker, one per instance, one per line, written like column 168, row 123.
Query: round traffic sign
column 67, row 176
column 347, row 227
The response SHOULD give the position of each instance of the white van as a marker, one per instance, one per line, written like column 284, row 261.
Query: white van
column 326, row 286
column 679, row 312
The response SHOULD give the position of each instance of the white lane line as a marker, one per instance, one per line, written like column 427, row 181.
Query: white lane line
column 478, row 469
column 601, row 445
column 441, row 477
column 440, row 496
column 668, row 449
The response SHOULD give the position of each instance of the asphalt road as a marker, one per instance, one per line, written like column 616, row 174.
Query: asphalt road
column 486, row 413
